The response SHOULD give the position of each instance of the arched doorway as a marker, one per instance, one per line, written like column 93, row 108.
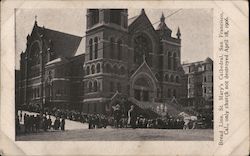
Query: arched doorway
column 143, row 88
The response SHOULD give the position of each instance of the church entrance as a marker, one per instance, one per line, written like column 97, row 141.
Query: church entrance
column 143, row 89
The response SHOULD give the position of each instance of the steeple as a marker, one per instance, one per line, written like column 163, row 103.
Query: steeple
column 142, row 11
column 178, row 34
column 163, row 28
column 35, row 20
column 162, row 18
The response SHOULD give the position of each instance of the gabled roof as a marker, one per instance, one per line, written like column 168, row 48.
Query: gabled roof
column 208, row 60
column 132, row 19
column 64, row 44
column 144, row 68
column 81, row 48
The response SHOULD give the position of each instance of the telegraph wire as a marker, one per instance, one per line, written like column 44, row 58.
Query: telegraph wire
column 146, row 27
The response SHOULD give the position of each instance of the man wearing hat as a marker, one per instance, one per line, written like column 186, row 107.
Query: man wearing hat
column 132, row 116
column 117, row 115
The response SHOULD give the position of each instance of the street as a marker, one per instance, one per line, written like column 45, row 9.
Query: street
column 124, row 134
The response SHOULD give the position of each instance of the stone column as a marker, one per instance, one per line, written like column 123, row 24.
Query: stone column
column 101, row 16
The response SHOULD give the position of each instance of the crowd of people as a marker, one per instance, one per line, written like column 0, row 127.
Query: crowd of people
column 118, row 119
column 38, row 122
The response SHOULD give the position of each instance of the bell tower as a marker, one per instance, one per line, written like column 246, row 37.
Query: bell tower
column 103, row 26
column 105, row 56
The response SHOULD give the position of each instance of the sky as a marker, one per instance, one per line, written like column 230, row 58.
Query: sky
column 196, row 26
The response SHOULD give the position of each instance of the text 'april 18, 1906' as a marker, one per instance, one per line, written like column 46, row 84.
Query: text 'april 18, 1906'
column 223, row 77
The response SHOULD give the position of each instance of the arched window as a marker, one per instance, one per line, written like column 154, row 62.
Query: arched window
column 34, row 93
column 98, row 68
column 142, row 48
column 111, row 86
column 90, row 49
column 205, row 90
column 174, row 93
column 166, row 77
column 177, row 79
column 38, row 92
column 169, row 61
column 158, row 92
column 108, row 68
column 119, row 48
column 169, row 93
column 90, row 86
column 205, row 79
column 87, row 70
column 96, row 47
column 115, row 69
column 122, row 70
column 174, row 61
column 93, row 69
column 112, row 48
column 119, row 87
column 172, row 78
column 95, row 86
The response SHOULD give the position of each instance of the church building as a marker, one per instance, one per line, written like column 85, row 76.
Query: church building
column 123, row 57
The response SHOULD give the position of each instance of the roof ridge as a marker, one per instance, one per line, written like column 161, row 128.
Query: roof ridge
column 59, row 31
column 133, row 17
column 144, row 62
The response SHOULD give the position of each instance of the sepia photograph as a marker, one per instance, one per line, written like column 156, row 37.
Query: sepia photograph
column 114, row 74
column 146, row 78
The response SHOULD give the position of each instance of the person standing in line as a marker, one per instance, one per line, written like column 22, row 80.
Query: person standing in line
column 28, row 123
column 18, row 128
column 132, row 116
column 117, row 115
column 25, row 123
column 21, row 115
column 63, row 124
column 57, row 123
column 45, row 123
column 37, row 122
column 49, row 123
column 90, row 121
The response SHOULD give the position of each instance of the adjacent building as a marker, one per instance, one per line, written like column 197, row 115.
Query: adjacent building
column 199, row 78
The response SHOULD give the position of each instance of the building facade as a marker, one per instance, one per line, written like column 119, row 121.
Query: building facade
column 125, row 56
column 129, row 56
column 50, row 75
column 199, row 78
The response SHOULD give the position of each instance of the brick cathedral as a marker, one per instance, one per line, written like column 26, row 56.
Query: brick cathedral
column 123, row 60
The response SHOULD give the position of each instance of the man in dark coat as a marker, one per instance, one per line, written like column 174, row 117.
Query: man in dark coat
column 132, row 116
column 90, row 121
column 117, row 115
column 25, row 123
column 49, row 123
column 63, row 124
column 37, row 122
column 57, row 123
column 18, row 128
